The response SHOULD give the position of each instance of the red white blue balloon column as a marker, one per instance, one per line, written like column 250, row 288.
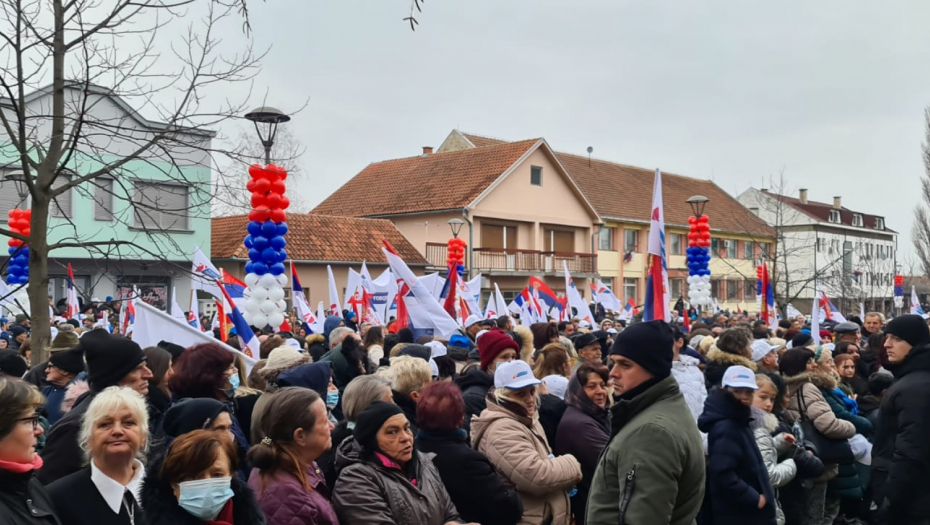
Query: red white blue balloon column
column 265, row 274
column 17, row 272
column 699, row 291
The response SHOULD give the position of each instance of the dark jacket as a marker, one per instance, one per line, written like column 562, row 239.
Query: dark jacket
column 584, row 437
column 62, row 453
column 24, row 501
column 474, row 384
column 285, row 501
column 157, row 403
column 409, row 406
column 36, row 375
column 901, row 448
column 476, row 489
column 316, row 346
column 551, row 409
column 736, row 473
column 327, row 462
column 161, row 506
column 54, row 395
column 863, row 426
column 717, row 363
column 78, row 502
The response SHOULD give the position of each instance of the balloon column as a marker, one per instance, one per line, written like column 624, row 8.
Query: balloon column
column 698, row 258
column 456, row 254
column 18, row 270
column 265, row 274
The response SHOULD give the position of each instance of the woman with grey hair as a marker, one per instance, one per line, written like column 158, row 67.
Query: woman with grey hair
column 114, row 437
column 360, row 392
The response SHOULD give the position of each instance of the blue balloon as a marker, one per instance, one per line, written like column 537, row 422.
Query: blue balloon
column 282, row 255
column 259, row 268
column 269, row 255
column 255, row 255
column 259, row 242
column 23, row 279
column 11, row 250
column 248, row 267
column 282, row 228
column 248, row 241
column 255, row 228
column 278, row 242
column 13, row 269
column 269, row 229
column 276, row 269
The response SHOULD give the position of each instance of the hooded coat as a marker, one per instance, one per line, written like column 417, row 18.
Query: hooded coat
column 316, row 346
column 371, row 492
column 474, row 384
column 736, row 473
column 901, row 451
column 771, row 447
column 516, row 445
column 717, row 363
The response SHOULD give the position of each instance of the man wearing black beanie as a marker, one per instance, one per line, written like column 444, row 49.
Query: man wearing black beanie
column 112, row 360
column 901, row 450
column 655, row 444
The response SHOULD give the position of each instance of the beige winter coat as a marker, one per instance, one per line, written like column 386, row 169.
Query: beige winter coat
column 517, row 448
column 819, row 412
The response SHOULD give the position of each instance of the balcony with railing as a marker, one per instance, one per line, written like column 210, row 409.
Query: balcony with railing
column 507, row 261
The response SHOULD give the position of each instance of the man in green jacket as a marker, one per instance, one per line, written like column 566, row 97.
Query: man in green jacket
column 652, row 471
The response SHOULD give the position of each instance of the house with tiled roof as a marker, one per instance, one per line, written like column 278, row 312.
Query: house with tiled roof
column 522, row 212
column 315, row 242
column 851, row 254
column 622, row 197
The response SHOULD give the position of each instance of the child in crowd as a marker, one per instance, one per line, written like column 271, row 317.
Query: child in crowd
column 772, row 445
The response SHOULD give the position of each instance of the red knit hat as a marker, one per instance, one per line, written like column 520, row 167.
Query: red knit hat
column 492, row 343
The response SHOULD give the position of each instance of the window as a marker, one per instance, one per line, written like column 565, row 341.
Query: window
column 674, row 244
column 748, row 250
column 764, row 250
column 605, row 239
column 857, row 220
column 498, row 236
column 630, row 289
column 13, row 194
column 715, row 247
column 847, row 256
column 560, row 241
column 103, row 199
column 821, row 244
column 536, row 176
column 749, row 290
column 677, row 288
column 732, row 290
column 62, row 205
column 630, row 240
column 879, row 223
column 731, row 248
column 755, row 211
column 715, row 287
column 160, row 206
column 835, row 216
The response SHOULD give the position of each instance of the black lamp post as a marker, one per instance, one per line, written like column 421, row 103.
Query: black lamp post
column 266, row 120
column 456, row 226
column 697, row 203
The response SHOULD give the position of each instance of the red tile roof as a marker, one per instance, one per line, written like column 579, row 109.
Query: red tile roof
column 480, row 141
column 440, row 181
column 821, row 212
column 319, row 238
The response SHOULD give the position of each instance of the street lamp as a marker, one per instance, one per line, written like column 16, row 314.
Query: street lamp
column 269, row 118
column 697, row 203
column 456, row 225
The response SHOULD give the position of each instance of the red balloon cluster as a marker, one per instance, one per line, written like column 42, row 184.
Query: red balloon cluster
column 268, row 198
column 456, row 249
column 699, row 234
column 19, row 223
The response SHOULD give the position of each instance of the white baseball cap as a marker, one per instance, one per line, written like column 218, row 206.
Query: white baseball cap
column 437, row 349
column 740, row 377
column 479, row 334
column 514, row 375
column 434, row 369
column 472, row 319
column 760, row 349
column 612, row 331
column 557, row 385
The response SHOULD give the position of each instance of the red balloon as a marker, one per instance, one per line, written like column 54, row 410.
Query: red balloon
column 250, row 185
column 259, row 201
column 273, row 201
column 16, row 213
column 692, row 219
column 692, row 243
column 703, row 219
column 285, row 202
column 283, row 174
column 259, row 214
column 278, row 215
column 262, row 186
column 26, row 232
column 277, row 186
column 256, row 171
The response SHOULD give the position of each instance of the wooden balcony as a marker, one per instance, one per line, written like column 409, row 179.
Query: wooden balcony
column 513, row 261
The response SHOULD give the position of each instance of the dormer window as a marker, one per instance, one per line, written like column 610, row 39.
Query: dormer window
column 879, row 223
column 835, row 216
column 857, row 220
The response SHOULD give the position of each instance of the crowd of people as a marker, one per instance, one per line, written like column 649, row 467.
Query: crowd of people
column 732, row 422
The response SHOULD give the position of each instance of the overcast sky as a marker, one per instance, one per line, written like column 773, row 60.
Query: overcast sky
column 830, row 92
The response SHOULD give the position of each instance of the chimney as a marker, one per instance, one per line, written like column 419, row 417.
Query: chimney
column 427, row 151
column 765, row 190
column 837, row 203
column 803, row 195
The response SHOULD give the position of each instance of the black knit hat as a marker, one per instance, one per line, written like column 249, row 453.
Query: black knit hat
column 649, row 345
column 12, row 364
column 801, row 340
column 174, row 349
column 911, row 327
column 71, row 361
column 109, row 358
column 191, row 414
column 369, row 422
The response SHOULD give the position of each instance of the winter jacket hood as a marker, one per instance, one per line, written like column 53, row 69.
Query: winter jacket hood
column 717, row 363
column 314, row 376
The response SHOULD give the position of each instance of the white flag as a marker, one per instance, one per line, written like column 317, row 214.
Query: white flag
column 792, row 312
column 424, row 311
column 915, row 303
column 574, row 298
column 205, row 275
column 320, row 318
column 815, row 319
column 176, row 311
column 384, row 288
column 500, row 302
column 334, row 308
column 471, row 292
column 353, row 282
column 606, row 296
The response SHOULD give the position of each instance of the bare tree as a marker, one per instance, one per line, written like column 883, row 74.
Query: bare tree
column 921, row 228
column 163, row 57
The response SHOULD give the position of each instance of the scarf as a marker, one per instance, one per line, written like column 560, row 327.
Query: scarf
column 848, row 402
column 578, row 398
column 22, row 468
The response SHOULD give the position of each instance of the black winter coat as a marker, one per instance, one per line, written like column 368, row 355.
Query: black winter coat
column 62, row 454
column 474, row 384
column 901, row 448
column 409, row 406
column 551, row 409
column 161, row 507
column 585, row 438
column 476, row 489
column 78, row 502
column 736, row 473
column 24, row 501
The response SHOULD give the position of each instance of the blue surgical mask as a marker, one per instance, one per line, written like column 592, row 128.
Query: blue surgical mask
column 332, row 398
column 234, row 381
column 205, row 498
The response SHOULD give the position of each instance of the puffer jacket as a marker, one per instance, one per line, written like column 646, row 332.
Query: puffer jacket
column 717, row 363
column 285, row 501
column 807, row 385
column 518, row 449
column 368, row 491
column 474, row 384
column 691, row 383
column 771, row 447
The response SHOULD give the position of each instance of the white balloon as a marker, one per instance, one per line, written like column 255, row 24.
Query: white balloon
column 251, row 279
column 267, row 307
column 282, row 279
column 276, row 294
column 280, row 306
column 259, row 321
column 275, row 319
column 267, row 281
column 253, row 304
column 260, row 293
column 247, row 293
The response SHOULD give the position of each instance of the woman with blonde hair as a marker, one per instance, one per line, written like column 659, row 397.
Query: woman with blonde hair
column 552, row 360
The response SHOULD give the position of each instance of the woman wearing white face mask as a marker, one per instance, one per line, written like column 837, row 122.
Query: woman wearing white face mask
column 114, row 436
column 196, row 484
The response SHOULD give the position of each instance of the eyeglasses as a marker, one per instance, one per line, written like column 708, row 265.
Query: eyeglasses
column 34, row 419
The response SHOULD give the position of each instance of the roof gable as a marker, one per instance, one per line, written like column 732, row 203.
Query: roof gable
column 820, row 211
column 319, row 238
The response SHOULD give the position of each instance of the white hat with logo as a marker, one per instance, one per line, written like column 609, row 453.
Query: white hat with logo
column 740, row 377
column 514, row 375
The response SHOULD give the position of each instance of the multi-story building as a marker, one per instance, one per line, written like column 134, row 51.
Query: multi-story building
column 849, row 254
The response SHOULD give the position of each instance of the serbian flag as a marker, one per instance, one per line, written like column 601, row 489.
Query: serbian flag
column 250, row 343
column 334, row 308
column 656, row 306
column 127, row 314
column 450, row 291
column 222, row 321
column 629, row 310
column 295, row 282
column 768, row 304
column 416, row 304
column 73, row 307
column 542, row 292
column 916, row 309
column 829, row 309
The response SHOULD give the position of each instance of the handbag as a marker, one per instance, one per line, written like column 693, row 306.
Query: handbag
column 830, row 451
